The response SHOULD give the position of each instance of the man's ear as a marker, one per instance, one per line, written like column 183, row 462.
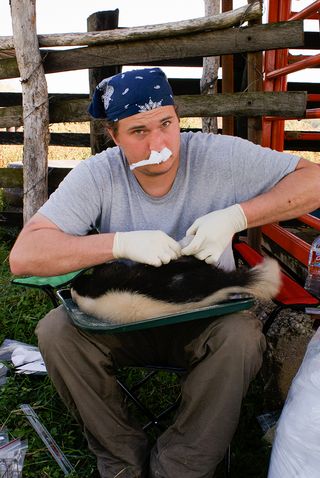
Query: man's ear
column 112, row 136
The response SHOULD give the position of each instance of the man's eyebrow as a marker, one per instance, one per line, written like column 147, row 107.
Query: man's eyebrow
column 142, row 126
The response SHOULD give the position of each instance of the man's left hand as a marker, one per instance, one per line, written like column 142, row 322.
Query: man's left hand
column 213, row 232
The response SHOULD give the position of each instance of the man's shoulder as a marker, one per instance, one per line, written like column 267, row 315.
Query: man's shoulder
column 199, row 137
column 104, row 156
column 108, row 159
column 208, row 145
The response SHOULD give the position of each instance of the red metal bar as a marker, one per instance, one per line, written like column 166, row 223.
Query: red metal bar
column 300, row 65
column 310, row 221
column 288, row 241
column 301, row 136
column 296, row 58
column 313, row 97
column 284, row 10
column 314, row 16
column 313, row 113
column 310, row 114
column 306, row 12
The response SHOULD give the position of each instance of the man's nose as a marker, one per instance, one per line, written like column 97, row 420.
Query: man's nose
column 156, row 141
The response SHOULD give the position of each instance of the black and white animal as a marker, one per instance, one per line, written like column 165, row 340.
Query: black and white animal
column 121, row 293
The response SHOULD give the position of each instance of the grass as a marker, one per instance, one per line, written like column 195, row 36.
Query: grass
column 21, row 308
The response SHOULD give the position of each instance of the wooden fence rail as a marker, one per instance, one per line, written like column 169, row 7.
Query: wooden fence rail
column 220, row 42
column 208, row 23
column 285, row 104
column 173, row 44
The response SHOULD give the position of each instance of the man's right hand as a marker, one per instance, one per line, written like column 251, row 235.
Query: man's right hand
column 149, row 247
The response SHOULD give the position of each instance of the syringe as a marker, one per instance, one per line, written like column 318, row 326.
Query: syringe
column 47, row 439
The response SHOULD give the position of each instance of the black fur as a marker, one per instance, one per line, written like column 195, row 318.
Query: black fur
column 184, row 280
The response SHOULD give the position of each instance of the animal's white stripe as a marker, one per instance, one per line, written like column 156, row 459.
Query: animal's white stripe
column 126, row 307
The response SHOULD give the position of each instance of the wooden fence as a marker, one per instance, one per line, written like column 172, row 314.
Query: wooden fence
column 176, row 44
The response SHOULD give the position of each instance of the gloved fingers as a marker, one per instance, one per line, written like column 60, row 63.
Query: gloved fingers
column 174, row 247
column 192, row 249
column 156, row 262
column 166, row 258
column 174, row 253
column 185, row 241
column 212, row 259
column 194, row 227
column 171, row 253
column 203, row 255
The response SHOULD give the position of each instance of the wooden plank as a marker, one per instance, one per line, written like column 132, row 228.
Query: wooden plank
column 227, row 78
column 100, row 21
column 284, row 104
column 243, row 104
column 221, row 42
column 180, row 86
column 13, row 177
column 292, row 140
column 211, row 22
column 56, row 139
column 254, row 125
column 35, row 106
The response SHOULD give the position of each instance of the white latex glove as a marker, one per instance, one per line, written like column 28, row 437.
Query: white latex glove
column 149, row 247
column 213, row 232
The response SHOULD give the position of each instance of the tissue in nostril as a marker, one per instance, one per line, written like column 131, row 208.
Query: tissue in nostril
column 154, row 158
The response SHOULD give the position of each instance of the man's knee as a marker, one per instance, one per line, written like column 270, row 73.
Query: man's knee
column 53, row 328
column 242, row 336
column 243, row 327
column 237, row 335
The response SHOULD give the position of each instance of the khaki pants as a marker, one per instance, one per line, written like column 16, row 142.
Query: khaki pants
column 221, row 356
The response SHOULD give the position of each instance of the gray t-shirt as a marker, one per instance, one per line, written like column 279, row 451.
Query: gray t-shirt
column 215, row 171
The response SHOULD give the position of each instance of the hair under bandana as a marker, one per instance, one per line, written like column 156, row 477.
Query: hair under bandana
column 129, row 93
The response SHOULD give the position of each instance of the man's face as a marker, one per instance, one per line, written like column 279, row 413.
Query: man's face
column 152, row 130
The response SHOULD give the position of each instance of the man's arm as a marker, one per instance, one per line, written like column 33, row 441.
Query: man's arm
column 296, row 194
column 43, row 249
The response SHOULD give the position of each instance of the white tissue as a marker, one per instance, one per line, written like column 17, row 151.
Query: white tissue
column 154, row 158
column 27, row 361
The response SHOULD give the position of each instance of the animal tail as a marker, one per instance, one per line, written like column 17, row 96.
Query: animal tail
column 265, row 280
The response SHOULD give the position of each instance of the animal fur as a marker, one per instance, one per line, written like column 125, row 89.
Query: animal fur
column 121, row 293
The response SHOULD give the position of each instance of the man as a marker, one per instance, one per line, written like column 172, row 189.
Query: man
column 145, row 195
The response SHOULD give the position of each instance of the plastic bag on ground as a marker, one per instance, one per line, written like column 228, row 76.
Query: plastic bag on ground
column 296, row 449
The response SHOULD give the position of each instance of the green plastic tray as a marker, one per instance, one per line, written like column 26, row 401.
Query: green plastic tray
column 89, row 323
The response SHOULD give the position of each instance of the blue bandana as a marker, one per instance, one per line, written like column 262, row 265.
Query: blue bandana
column 129, row 93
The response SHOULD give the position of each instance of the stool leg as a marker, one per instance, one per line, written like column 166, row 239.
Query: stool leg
column 227, row 462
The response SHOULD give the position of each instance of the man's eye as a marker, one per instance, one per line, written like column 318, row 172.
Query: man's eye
column 139, row 132
column 165, row 124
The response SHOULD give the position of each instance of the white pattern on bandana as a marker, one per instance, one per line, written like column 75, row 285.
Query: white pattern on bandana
column 106, row 97
column 151, row 105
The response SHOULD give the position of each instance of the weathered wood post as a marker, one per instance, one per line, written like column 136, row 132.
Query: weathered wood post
column 227, row 77
column 35, row 106
column 255, row 83
column 99, row 21
column 209, row 80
